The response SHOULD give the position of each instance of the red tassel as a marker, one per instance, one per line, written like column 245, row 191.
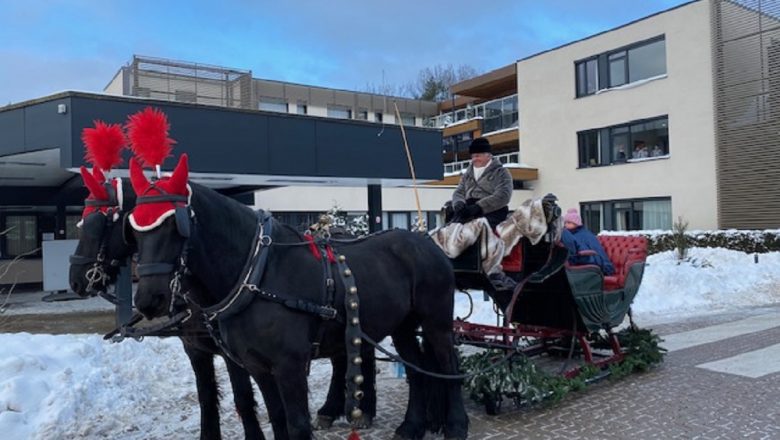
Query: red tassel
column 331, row 257
column 148, row 133
column 353, row 435
column 313, row 247
column 104, row 145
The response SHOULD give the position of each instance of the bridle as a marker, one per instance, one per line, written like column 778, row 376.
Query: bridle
column 184, row 224
column 98, row 273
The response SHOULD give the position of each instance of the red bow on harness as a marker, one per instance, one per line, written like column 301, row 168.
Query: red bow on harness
column 315, row 250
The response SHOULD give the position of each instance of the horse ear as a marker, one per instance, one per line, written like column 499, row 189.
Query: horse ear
column 180, row 176
column 94, row 187
column 137, row 179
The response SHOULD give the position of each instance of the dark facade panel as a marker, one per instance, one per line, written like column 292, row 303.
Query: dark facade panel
column 34, row 127
column 241, row 142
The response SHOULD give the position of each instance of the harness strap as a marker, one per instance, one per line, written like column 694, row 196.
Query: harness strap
column 352, row 342
column 173, row 198
column 147, row 269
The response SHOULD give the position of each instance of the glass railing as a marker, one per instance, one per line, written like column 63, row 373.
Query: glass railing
column 498, row 114
column 460, row 166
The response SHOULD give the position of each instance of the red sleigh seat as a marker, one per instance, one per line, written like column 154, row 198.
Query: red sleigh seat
column 623, row 251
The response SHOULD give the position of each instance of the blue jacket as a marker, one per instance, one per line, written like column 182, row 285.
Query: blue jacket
column 581, row 239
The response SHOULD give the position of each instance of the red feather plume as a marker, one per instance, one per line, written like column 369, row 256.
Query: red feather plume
column 104, row 145
column 148, row 133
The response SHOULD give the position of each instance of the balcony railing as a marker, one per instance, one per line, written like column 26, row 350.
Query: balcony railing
column 498, row 114
column 460, row 166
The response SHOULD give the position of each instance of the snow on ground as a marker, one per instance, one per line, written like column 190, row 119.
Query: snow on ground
column 79, row 386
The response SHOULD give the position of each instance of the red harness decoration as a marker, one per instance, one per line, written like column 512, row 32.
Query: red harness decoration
column 150, row 215
column 316, row 250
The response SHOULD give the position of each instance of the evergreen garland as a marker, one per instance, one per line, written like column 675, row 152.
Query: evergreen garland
column 521, row 381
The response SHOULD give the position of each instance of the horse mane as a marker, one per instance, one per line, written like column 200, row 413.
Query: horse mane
column 223, row 233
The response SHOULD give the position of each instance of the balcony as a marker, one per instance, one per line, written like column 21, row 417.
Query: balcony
column 496, row 115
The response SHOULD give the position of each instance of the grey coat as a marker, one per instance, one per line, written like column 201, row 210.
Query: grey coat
column 493, row 190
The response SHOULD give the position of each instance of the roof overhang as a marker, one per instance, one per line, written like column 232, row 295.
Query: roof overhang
column 493, row 84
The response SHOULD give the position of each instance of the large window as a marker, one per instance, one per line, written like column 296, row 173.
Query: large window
column 21, row 235
column 628, row 215
column 273, row 105
column 630, row 142
column 626, row 65
column 339, row 112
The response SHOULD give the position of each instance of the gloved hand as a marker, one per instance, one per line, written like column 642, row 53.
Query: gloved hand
column 457, row 206
column 468, row 213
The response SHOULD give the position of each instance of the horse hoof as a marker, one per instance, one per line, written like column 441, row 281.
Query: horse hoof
column 322, row 422
column 363, row 422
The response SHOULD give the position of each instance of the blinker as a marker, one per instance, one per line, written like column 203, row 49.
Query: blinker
column 182, row 216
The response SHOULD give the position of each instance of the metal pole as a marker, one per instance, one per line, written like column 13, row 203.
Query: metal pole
column 374, row 208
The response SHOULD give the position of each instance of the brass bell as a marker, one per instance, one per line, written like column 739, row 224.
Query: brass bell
column 347, row 272
column 353, row 305
column 356, row 414
column 358, row 360
column 355, row 320
column 357, row 341
column 342, row 258
column 353, row 290
column 358, row 379
column 358, row 395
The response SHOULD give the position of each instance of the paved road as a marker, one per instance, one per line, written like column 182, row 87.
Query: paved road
column 721, row 380
column 689, row 397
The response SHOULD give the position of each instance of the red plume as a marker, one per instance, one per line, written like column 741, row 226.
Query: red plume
column 137, row 178
column 148, row 133
column 104, row 144
column 95, row 187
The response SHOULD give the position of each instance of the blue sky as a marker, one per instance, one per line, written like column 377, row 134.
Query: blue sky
column 49, row 46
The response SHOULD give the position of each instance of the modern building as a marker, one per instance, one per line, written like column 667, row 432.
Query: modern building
column 672, row 115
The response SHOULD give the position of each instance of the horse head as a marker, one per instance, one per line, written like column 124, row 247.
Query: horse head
column 101, row 248
column 160, row 226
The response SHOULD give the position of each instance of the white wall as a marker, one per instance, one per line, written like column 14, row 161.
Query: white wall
column 552, row 116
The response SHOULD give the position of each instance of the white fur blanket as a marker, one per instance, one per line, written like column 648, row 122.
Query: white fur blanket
column 527, row 221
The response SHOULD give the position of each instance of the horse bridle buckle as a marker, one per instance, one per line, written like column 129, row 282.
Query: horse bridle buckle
column 328, row 312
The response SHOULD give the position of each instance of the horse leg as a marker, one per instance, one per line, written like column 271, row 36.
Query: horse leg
column 413, row 426
column 333, row 408
column 208, row 393
column 244, row 398
column 439, row 340
column 273, row 404
column 293, row 387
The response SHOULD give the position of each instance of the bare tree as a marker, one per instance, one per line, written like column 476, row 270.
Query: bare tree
column 5, row 292
column 432, row 83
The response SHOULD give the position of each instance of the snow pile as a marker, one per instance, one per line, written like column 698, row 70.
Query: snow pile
column 709, row 280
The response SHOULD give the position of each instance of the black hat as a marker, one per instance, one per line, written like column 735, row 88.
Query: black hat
column 479, row 145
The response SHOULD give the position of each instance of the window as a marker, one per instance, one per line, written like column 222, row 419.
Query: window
column 21, row 237
column 273, row 105
column 639, row 61
column 407, row 119
column 186, row 96
column 71, row 231
column 302, row 108
column 378, row 116
column 587, row 77
column 362, row 115
column 339, row 112
column 628, row 215
column 143, row 92
column 630, row 142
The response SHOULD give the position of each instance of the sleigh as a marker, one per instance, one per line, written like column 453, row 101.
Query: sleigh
column 556, row 309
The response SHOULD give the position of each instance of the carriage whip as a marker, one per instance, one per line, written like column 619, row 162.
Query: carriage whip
column 420, row 224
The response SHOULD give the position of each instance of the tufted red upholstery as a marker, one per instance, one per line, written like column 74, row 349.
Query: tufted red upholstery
column 514, row 261
column 623, row 251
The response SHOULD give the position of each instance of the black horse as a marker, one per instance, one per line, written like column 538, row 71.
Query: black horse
column 405, row 283
column 94, row 267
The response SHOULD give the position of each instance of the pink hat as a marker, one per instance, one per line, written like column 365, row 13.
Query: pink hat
column 573, row 216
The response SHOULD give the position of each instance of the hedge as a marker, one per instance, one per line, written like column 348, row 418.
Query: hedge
column 748, row 241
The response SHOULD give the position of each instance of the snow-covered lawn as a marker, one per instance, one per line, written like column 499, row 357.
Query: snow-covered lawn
column 78, row 386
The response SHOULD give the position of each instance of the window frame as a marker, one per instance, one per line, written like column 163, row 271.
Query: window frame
column 4, row 255
column 606, row 137
column 609, row 213
column 603, row 66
